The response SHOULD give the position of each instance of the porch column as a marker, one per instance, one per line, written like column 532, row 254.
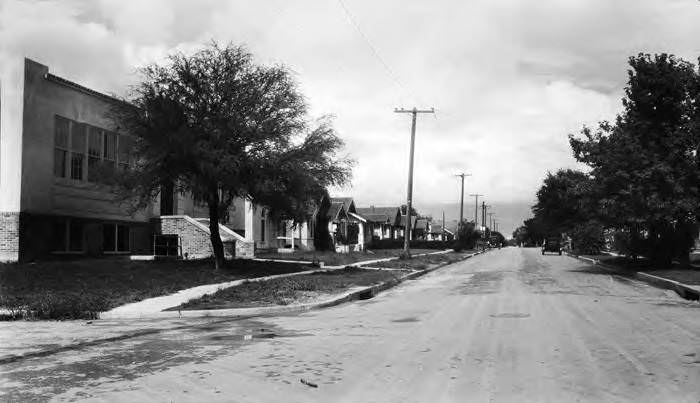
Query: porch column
column 249, row 213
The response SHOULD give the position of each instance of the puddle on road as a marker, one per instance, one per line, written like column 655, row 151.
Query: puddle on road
column 41, row 378
column 510, row 315
column 406, row 320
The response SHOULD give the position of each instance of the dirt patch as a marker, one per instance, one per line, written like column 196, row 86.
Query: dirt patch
column 486, row 282
column 423, row 262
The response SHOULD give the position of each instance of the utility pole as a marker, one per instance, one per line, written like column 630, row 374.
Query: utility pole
column 443, row 226
column 476, row 210
column 491, row 221
column 409, row 193
column 483, row 215
column 461, row 201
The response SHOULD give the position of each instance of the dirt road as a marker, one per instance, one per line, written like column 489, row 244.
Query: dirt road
column 507, row 326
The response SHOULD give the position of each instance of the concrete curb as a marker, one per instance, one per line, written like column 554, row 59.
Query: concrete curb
column 684, row 290
column 235, row 314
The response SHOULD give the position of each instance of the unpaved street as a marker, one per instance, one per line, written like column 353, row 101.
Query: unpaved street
column 507, row 326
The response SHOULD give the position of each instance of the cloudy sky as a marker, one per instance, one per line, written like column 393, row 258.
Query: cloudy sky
column 508, row 79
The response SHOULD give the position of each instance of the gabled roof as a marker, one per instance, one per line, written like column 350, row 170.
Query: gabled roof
column 436, row 229
column 348, row 203
column 336, row 211
column 377, row 218
column 422, row 224
column 383, row 215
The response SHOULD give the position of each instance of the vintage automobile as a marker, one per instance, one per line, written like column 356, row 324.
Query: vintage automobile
column 552, row 244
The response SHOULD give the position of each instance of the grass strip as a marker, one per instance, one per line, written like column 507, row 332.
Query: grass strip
column 288, row 290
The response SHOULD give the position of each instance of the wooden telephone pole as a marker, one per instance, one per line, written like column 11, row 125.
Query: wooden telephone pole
column 476, row 210
column 461, row 202
column 409, row 193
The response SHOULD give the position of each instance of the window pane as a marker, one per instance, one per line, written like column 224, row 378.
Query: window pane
column 75, row 236
column 124, row 148
column 61, row 132
column 94, row 142
column 76, row 166
column 77, row 137
column 262, row 230
column 109, row 243
column 59, row 163
column 94, row 169
column 59, row 236
column 110, row 146
column 123, row 238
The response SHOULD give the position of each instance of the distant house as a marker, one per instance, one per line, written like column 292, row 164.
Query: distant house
column 382, row 222
column 421, row 229
column 437, row 233
column 348, row 227
column 401, row 228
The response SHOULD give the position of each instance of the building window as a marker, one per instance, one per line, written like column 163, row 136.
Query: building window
column 69, row 236
column 110, row 151
column 61, row 135
column 95, row 137
column 262, row 230
column 115, row 238
column 77, row 147
column 87, row 153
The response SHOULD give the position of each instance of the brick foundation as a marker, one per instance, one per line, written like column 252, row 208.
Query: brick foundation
column 9, row 237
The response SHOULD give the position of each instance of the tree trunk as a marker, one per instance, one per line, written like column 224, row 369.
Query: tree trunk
column 167, row 196
column 216, row 244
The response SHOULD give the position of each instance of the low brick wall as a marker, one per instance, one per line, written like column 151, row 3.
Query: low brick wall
column 9, row 236
column 195, row 239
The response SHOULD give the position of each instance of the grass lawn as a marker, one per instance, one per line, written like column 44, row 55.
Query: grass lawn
column 339, row 259
column 423, row 262
column 686, row 275
column 80, row 289
column 287, row 290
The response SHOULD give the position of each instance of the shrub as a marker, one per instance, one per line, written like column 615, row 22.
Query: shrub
column 588, row 238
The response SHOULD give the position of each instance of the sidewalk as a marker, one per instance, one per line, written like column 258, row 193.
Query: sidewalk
column 686, row 282
column 151, row 306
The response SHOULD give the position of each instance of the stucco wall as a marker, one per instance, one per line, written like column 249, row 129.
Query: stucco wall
column 42, row 192
column 11, row 103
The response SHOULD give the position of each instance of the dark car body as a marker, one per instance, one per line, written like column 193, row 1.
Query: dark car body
column 552, row 245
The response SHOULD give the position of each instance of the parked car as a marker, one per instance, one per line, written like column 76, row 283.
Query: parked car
column 552, row 244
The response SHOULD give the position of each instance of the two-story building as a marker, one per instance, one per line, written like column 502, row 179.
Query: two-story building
column 56, row 146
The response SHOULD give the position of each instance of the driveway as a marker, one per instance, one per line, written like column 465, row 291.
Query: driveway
column 510, row 325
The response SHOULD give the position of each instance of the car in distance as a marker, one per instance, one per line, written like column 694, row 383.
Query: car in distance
column 551, row 244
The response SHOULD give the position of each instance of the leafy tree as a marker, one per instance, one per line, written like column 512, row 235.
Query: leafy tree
column 563, row 201
column 218, row 126
column 414, row 212
column 467, row 235
column 645, row 165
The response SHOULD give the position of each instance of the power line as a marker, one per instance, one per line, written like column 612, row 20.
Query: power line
column 374, row 50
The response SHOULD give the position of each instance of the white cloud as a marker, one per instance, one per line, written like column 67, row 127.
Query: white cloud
column 509, row 79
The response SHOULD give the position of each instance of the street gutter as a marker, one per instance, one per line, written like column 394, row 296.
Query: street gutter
column 684, row 290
